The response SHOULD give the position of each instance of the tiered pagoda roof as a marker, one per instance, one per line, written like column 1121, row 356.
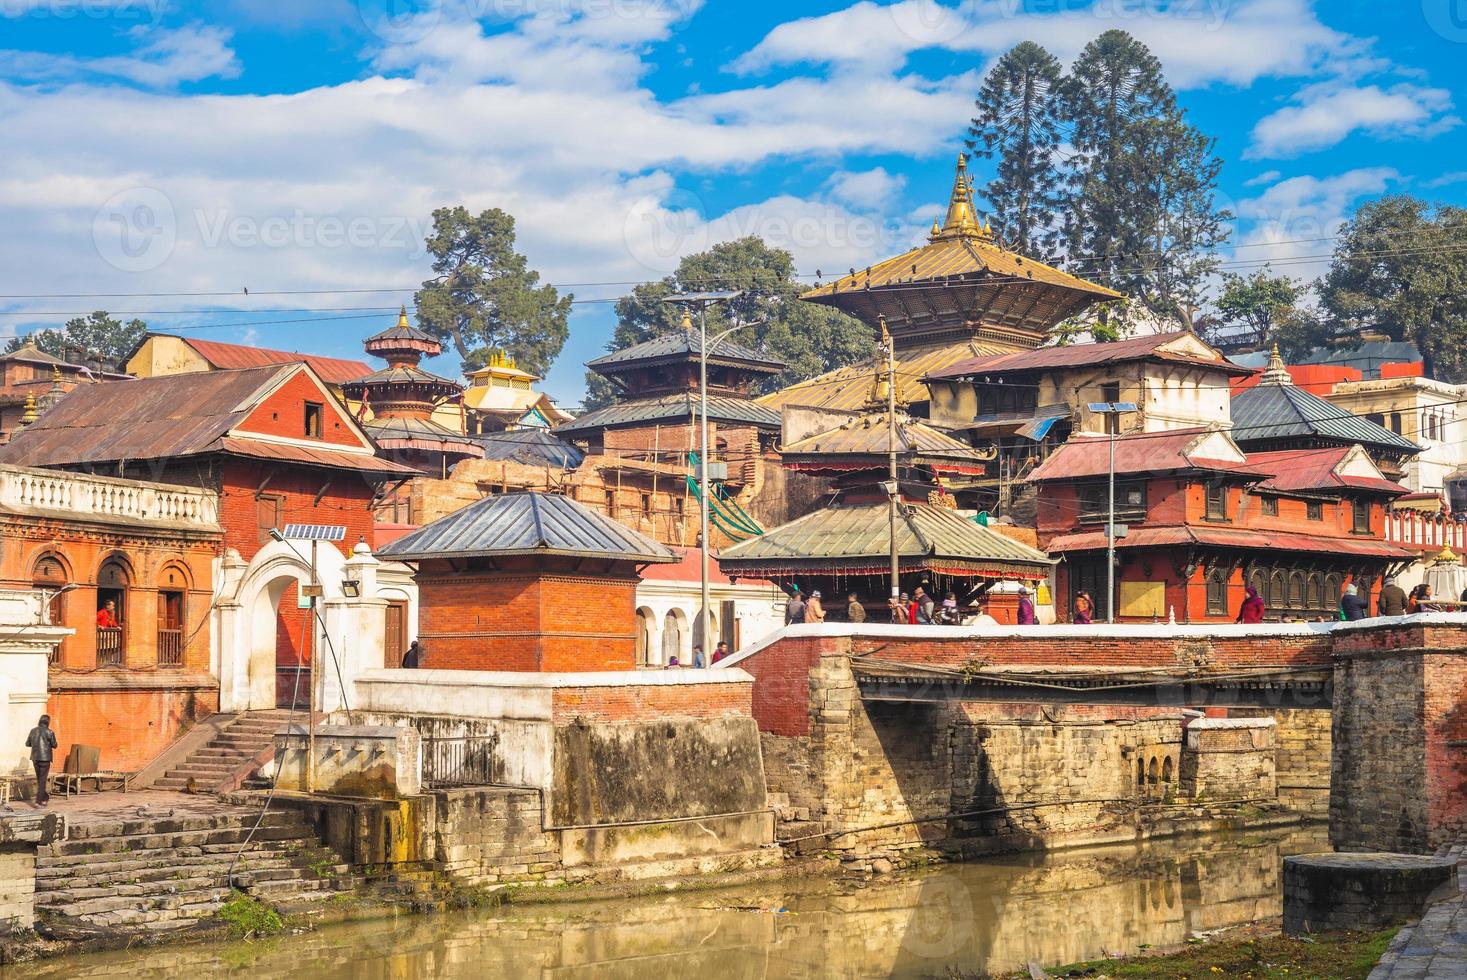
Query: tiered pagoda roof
column 960, row 296
column 402, row 396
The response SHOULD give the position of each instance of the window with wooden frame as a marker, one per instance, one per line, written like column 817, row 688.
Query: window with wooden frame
column 1360, row 511
column 1269, row 506
column 269, row 514
column 313, row 420
column 1314, row 510
column 1130, row 501
column 1217, row 500
column 1217, row 592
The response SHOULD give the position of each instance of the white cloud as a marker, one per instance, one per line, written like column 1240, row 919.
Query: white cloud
column 1326, row 114
column 161, row 59
column 1198, row 43
column 866, row 190
column 1292, row 224
column 1267, row 177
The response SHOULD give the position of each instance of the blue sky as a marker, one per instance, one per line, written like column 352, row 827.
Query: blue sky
column 297, row 148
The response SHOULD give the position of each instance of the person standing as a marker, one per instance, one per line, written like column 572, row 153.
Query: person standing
column 814, row 611
column 720, row 651
column 794, row 609
column 698, row 657
column 901, row 609
column 855, row 612
column 1027, row 615
column 1392, row 600
column 1351, row 605
column 1252, row 609
column 42, row 743
column 924, row 606
column 1084, row 608
column 411, row 658
column 107, row 616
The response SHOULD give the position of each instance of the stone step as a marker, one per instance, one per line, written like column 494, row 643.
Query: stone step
column 207, row 892
column 140, row 871
column 167, row 841
column 128, row 826
column 222, row 754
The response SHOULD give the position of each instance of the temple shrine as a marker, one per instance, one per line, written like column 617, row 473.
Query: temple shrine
column 398, row 403
column 959, row 296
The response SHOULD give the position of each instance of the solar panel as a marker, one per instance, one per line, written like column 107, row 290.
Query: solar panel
column 314, row 532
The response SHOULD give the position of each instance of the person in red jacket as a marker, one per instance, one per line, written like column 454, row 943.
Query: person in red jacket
column 107, row 616
column 1252, row 610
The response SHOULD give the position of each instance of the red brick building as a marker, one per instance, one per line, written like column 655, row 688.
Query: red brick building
column 276, row 447
column 148, row 548
column 527, row 582
column 1202, row 522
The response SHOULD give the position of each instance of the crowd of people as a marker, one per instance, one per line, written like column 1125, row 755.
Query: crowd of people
column 1392, row 601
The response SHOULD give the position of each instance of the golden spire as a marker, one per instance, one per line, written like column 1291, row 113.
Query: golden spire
column 936, row 230
column 30, row 411
column 56, row 374
column 1276, row 373
column 402, row 320
column 960, row 217
column 687, row 321
column 1446, row 556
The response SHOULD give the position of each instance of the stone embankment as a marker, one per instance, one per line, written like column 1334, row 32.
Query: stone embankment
column 160, row 872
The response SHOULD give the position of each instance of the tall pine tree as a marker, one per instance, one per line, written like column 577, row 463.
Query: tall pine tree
column 1139, row 207
column 1017, row 122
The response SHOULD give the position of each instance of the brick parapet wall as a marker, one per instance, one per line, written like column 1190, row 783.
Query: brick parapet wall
column 651, row 702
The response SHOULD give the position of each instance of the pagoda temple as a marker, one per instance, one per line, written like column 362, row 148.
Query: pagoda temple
column 846, row 546
column 959, row 296
column 501, row 396
column 398, row 402
column 659, row 381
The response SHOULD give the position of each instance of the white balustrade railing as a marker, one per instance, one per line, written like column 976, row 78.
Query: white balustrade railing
column 102, row 497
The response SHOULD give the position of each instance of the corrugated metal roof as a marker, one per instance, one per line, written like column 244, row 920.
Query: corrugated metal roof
column 143, row 418
column 1317, row 469
column 679, row 408
column 857, row 537
column 165, row 417
column 1273, row 411
column 1140, row 452
column 333, row 459
column 423, row 433
column 1251, row 539
column 226, row 357
column 1149, row 347
column 402, row 374
column 682, row 345
column 527, row 524
column 533, row 446
column 849, row 388
column 867, row 436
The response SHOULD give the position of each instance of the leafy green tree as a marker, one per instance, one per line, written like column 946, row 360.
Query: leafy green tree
column 1017, row 122
column 1139, row 207
column 485, row 296
column 809, row 338
column 1400, row 268
column 96, row 334
column 1262, row 302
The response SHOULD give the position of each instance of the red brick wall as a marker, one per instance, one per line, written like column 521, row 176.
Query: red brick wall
column 518, row 620
column 283, row 414
column 345, row 502
column 781, row 696
column 651, row 702
column 1445, row 716
column 130, row 726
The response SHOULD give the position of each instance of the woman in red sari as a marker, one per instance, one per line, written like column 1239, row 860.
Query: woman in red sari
column 1252, row 611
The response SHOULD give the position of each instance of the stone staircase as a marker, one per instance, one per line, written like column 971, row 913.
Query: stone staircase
column 160, row 873
column 230, row 756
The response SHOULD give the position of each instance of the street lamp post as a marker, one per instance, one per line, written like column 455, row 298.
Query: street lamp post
column 702, row 301
column 1112, row 411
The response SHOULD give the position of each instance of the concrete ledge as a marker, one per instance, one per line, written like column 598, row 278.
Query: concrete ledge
column 665, row 840
column 127, row 680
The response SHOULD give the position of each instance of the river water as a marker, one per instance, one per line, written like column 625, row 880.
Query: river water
column 987, row 917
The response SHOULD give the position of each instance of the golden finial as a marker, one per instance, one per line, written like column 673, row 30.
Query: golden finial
column 987, row 229
column 56, row 374
column 30, row 411
column 1276, row 373
column 962, row 162
column 1446, row 556
column 402, row 320
column 960, row 217
column 936, row 228
column 687, row 321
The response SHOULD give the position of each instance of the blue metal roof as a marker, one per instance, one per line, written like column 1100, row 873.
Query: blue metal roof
column 1266, row 412
column 534, row 446
column 682, row 345
column 526, row 523
column 678, row 408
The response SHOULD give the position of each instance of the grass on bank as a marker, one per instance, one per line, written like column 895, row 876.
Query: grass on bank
column 1327, row 956
column 248, row 917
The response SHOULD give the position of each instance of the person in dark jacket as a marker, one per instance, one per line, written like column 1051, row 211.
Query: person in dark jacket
column 794, row 609
column 411, row 658
column 1352, row 605
column 42, row 743
column 1392, row 600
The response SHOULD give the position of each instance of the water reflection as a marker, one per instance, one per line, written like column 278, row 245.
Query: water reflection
column 988, row 917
